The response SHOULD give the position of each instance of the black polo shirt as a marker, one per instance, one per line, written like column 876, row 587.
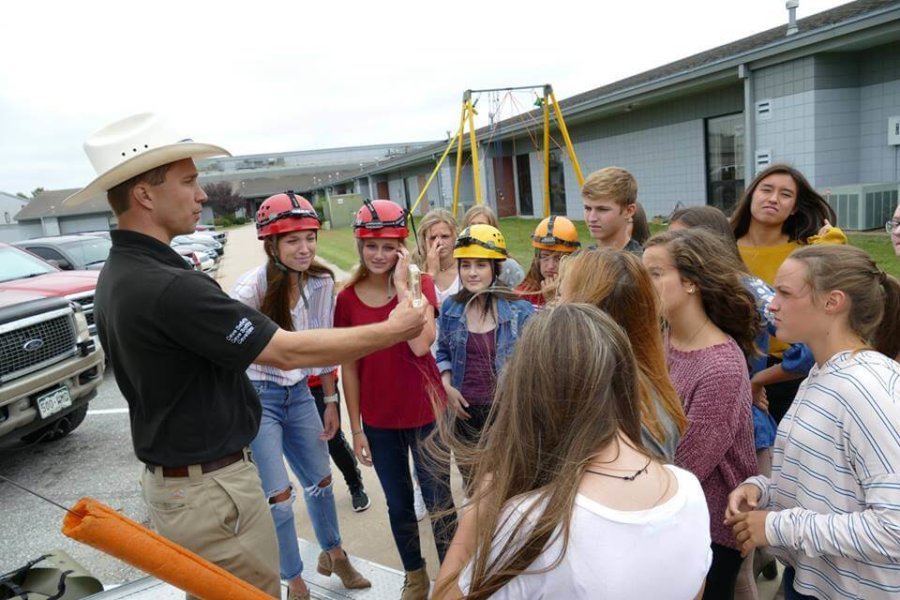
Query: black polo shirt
column 179, row 347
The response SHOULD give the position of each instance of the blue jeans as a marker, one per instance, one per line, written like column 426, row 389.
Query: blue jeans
column 390, row 456
column 291, row 428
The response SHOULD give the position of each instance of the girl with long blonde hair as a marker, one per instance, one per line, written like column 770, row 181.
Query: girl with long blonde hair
column 616, row 282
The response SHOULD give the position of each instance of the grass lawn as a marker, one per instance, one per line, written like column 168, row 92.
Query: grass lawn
column 339, row 247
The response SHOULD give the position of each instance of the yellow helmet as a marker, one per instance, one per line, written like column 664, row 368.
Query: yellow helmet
column 557, row 234
column 480, row 241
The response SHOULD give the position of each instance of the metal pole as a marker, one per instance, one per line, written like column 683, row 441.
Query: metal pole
column 459, row 153
column 546, row 154
column 473, row 147
column 565, row 134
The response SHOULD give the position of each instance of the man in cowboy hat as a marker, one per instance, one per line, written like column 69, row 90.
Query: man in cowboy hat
column 179, row 347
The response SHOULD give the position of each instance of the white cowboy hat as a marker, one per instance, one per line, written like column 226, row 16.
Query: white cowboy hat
column 133, row 146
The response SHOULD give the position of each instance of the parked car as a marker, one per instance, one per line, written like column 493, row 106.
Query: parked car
column 70, row 252
column 51, row 366
column 219, row 236
column 24, row 272
column 203, row 249
column 100, row 233
column 199, row 260
column 196, row 238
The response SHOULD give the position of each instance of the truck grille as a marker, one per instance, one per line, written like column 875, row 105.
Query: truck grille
column 57, row 342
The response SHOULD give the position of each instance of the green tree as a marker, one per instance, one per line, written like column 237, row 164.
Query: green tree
column 223, row 200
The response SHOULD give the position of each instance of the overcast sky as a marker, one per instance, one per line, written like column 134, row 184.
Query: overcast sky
column 272, row 76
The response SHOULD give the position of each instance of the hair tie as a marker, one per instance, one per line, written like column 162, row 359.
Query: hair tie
column 882, row 277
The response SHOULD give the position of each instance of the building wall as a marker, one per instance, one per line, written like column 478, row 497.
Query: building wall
column 829, row 115
column 20, row 231
column 786, row 131
column 662, row 145
column 879, row 98
column 83, row 223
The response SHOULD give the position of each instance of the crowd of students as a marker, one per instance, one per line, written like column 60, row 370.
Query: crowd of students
column 633, row 419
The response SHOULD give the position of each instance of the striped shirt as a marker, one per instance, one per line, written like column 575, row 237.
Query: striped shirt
column 835, row 486
column 319, row 293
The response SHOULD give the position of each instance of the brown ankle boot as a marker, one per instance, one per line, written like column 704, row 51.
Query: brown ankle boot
column 349, row 576
column 416, row 585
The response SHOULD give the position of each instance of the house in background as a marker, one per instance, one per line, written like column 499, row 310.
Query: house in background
column 46, row 215
column 10, row 206
column 821, row 93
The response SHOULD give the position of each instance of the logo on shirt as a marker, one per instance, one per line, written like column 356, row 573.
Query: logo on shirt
column 241, row 332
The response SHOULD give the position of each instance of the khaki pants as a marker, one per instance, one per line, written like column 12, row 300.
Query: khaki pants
column 223, row 516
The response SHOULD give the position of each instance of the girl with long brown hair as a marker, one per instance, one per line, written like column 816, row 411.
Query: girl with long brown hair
column 711, row 327
column 297, row 293
column 567, row 502
column 553, row 238
column 616, row 282
column 479, row 327
column 831, row 509
column 779, row 212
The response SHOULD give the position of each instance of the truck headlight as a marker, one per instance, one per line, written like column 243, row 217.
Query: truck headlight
column 81, row 325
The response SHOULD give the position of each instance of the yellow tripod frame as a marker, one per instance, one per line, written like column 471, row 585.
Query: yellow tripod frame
column 468, row 117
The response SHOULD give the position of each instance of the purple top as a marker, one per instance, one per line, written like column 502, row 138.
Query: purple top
column 718, row 445
column 479, row 378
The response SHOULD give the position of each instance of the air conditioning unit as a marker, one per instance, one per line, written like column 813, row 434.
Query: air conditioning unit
column 862, row 206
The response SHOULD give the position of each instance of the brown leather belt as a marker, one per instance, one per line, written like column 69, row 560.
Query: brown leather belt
column 208, row 467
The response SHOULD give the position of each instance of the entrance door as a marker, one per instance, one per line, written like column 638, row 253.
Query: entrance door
column 505, row 186
column 424, row 205
column 523, row 175
column 383, row 192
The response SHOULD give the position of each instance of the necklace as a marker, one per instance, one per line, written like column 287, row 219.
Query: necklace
column 623, row 477
column 696, row 333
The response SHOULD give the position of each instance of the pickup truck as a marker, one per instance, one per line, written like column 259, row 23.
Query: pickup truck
column 22, row 271
column 50, row 369
column 45, row 388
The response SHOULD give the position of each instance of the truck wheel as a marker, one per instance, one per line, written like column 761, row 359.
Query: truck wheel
column 60, row 428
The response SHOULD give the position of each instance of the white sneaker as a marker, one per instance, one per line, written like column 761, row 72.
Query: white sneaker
column 419, row 503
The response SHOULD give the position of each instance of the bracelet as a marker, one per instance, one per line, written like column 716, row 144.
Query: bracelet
column 332, row 399
column 360, row 432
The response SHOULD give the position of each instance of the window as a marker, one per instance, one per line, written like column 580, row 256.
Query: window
column 724, row 161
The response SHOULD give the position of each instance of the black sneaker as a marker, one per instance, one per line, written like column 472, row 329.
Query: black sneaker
column 360, row 500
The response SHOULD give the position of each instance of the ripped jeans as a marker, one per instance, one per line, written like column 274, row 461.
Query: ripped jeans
column 290, row 428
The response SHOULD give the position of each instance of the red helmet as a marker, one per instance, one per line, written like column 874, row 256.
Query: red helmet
column 283, row 213
column 380, row 219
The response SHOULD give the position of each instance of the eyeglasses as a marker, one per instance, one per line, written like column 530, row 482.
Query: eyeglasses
column 891, row 225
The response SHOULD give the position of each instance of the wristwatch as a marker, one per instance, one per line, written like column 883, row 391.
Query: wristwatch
column 332, row 399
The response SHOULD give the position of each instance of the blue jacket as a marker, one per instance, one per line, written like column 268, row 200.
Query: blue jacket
column 453, row 334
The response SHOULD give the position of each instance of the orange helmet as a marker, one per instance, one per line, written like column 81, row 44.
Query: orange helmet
column 557, row 234
column 283, row 213
column 380, row 219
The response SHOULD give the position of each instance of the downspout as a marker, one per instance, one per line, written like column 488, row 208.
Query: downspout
column 746, row 74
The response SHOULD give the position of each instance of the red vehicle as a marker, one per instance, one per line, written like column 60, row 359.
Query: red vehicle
column 24, row 272
column 52, row 364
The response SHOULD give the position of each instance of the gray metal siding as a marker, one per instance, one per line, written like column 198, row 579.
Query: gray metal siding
column 83, row 223
column 668, row 163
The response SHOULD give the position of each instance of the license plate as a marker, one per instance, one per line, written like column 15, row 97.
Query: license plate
column 55, row 401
